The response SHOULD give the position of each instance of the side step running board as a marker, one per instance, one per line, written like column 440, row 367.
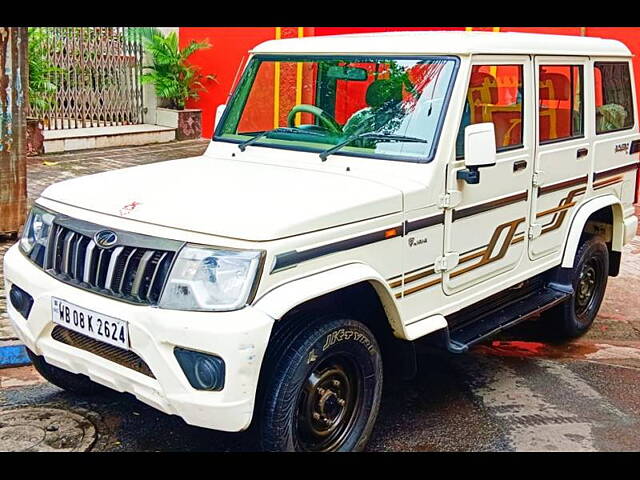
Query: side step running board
column 461, row 337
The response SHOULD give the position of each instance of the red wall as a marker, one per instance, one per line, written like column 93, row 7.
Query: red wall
column 630, row 36
column 231, row 44
column 345, row 30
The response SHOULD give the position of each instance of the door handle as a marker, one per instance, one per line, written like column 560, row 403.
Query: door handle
column 583, row 152
column 519, row 165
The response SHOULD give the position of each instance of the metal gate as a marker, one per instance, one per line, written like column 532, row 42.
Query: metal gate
column 93, row 74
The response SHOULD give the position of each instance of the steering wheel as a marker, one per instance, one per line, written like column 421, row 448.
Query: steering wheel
column 327, row 120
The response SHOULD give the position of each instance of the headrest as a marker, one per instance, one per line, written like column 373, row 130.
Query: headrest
column 554, row 86
column 479, row 79
column 484, row 80
column 381, row 91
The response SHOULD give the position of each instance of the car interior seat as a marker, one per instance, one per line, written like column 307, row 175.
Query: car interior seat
column 484, row 106
column 555, row 106
column 382, row 97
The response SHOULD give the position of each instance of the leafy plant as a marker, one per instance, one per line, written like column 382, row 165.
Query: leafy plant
column 42, row 90
column 175, row 79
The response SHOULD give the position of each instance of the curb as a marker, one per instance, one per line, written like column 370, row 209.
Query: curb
column 13, row 354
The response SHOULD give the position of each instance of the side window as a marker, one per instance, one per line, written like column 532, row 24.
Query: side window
column 494, row 95
column 614, row 98
column 561, row 114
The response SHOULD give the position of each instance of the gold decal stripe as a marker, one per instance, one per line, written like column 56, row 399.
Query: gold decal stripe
column 555, row 210
column 422, row 287
column 607, row 183
column 557, row 220
column 559, row 214
column 419, row 276
column 413, row 278
column 485, row 255
column 562, row 185
column 567, row 203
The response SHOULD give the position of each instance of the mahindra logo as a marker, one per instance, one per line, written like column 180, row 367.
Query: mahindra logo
column 105, row 238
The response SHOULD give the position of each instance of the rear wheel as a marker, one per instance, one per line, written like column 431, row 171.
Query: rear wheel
column 322, row 387
column 589, row 277
column 72, row 382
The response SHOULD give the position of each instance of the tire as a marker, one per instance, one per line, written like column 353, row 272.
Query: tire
column 322, row 387
column 71, row 382
column 588, row 277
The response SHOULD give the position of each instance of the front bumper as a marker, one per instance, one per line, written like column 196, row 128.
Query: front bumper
column 240, row 338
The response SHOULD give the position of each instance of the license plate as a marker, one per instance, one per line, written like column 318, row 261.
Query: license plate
column 92, row 324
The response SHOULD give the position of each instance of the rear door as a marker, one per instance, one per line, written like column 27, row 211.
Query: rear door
column 563, row 152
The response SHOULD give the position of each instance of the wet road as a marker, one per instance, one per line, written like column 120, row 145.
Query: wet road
column 510, row 396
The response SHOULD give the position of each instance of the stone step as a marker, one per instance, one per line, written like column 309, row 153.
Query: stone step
column 56, row 141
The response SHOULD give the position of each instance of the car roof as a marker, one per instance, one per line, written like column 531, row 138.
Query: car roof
column 447, row 42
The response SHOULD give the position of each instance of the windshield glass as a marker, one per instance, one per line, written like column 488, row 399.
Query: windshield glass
column 316, row 103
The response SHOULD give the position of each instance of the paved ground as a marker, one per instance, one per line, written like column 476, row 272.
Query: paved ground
column 495, row 399
column 517, row 393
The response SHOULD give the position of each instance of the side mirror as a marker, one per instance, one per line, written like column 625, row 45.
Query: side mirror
column 479, row 151
column 219, row 112
column 480, row 145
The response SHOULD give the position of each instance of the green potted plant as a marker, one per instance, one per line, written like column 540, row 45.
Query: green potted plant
column 175, row 80
column 42, row 91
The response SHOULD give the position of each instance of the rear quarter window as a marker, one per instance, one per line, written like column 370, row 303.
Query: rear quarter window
column 614, row 97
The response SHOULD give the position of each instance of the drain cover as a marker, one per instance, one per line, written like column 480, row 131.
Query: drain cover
column 45, row 430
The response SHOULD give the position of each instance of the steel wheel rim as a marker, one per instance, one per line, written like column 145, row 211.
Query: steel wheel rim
column 587, row 287
column 329, row 404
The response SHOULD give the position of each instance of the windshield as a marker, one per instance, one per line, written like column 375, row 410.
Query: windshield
column 317, row 103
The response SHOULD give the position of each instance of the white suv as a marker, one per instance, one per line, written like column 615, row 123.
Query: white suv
column 361, row 192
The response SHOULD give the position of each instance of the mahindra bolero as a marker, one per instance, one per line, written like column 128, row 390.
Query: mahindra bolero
column 362, row 193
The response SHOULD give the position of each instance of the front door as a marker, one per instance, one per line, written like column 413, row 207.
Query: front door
column 563, row 156
column 485, row 230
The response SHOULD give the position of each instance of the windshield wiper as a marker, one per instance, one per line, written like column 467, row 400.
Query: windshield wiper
column 374, row 136
column 243, row 146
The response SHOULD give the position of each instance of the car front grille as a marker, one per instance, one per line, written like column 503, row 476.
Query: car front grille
column 117, row 355
column 134, row 270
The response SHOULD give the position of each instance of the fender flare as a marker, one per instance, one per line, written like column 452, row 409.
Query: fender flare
column 580, row 219
column 277, row 302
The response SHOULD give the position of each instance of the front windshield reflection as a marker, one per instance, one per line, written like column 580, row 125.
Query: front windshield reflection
column 314, row 104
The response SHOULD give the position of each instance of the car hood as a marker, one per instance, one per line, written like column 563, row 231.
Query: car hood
column 231, row 198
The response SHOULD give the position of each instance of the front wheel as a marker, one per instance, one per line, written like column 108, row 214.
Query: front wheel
column 589, row 277
column 323, row 387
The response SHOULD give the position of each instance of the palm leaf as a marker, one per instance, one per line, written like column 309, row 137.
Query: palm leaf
column 174, row 78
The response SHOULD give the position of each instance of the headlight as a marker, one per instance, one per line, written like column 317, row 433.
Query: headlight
column 35, row 235
column 206, row 279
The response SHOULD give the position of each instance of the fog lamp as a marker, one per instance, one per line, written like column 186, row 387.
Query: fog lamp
column 21, row 300
column 204, row 372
